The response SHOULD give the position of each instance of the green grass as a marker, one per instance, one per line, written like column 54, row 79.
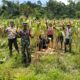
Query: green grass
column 65, row 66
column 48, row 67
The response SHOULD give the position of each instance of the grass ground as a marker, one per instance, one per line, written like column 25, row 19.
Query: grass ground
column 55, row 66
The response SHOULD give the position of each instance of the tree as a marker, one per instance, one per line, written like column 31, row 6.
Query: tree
column 39, row 3
column 10, row 8
column 53, row 9
column 71, row 7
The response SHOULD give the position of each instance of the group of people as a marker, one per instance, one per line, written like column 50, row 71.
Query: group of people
column 49, row 39
column 25, row 35
column 56, row 38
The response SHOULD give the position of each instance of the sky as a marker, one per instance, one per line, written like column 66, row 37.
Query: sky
column 43, row 1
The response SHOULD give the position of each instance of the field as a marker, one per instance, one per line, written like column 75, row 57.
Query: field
column 45, row 66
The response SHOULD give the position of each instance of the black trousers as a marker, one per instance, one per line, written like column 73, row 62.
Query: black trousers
column 68, row 43
column 10, row 44
column 42, row 44
column 61, row 39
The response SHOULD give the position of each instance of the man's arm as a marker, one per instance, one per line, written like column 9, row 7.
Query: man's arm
column 6, row 30
column 19, row 33
column 30, row 33
column 47, row 24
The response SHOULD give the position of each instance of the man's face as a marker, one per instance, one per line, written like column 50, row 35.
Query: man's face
column 50, row 25
column 25, row 26
column 12, row 24
column 69, row 26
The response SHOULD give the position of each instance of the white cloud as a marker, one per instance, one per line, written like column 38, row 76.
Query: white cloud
column 65, row 1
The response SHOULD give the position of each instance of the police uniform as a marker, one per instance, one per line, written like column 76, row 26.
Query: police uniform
column 12, row 39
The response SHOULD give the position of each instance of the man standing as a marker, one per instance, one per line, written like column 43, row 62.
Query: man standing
column 68, row 38
column 12, row 38
column 25, row 35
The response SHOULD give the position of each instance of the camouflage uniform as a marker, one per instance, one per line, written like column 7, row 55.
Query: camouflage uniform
column 25, row 43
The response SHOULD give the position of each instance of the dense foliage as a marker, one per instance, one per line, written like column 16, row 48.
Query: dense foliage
column 52, row 9
column 45, row 65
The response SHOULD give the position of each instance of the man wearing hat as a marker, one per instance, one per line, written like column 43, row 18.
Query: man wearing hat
column 68, row 37
column 25, row 35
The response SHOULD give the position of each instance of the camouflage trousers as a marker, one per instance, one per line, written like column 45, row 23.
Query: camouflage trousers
column 26, row 55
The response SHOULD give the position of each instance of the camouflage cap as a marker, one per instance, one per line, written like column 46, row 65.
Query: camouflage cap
column 24, row 23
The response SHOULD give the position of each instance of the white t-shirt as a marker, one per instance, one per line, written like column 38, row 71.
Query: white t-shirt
column 68, row 32
column 12, row 31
